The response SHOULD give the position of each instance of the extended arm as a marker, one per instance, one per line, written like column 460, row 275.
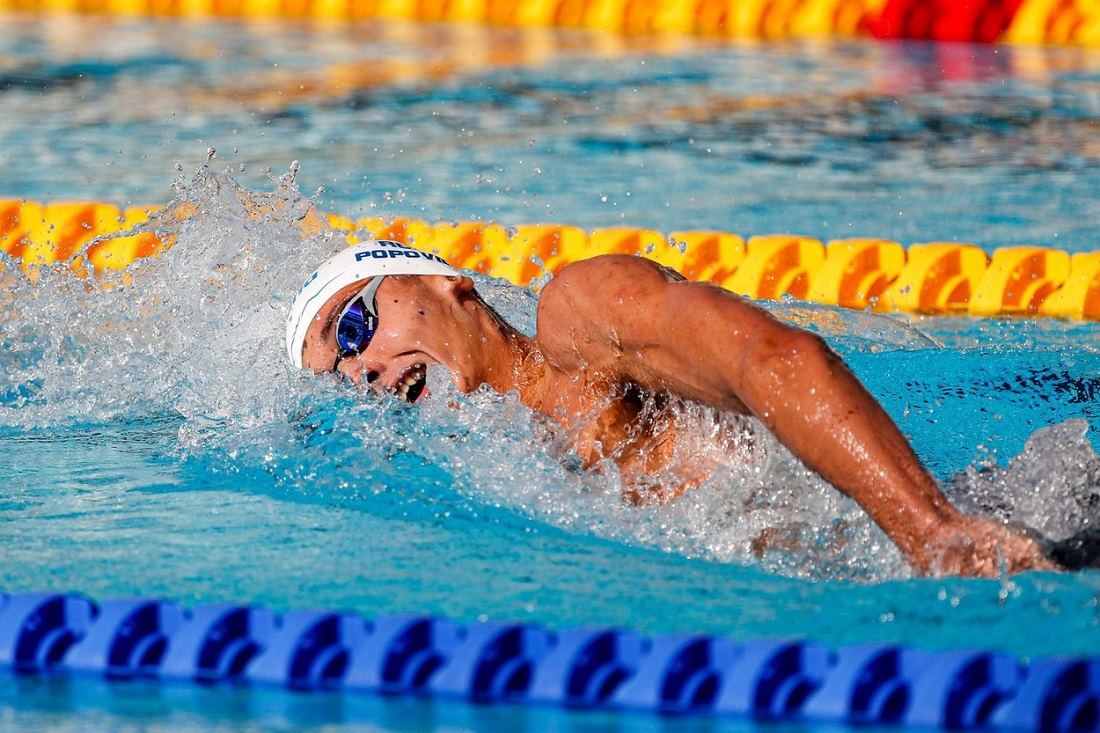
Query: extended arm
column 635, row 321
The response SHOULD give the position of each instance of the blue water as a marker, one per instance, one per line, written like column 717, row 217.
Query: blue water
column 155, row 442
column 914, row 142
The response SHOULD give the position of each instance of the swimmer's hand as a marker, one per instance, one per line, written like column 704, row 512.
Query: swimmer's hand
column 981, row 548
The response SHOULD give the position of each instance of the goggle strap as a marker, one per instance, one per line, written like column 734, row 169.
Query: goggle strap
column 367, row 294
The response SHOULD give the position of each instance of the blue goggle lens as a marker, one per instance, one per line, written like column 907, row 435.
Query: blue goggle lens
column 356, row 328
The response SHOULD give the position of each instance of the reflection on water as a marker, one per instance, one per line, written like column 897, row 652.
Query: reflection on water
column 914, row 142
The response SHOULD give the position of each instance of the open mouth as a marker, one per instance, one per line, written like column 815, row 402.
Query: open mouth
column 412, row 385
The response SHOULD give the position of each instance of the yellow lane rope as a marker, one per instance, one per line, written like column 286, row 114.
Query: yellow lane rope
column 731, row 18
column 863, row 274
column 1029, row 21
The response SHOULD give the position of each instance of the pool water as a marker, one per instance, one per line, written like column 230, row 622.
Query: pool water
column 157, row 444
column 908, row 141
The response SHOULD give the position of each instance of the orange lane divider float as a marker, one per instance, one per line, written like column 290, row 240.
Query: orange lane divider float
column 40, row 234
column 940, row 278
column 1013, row 21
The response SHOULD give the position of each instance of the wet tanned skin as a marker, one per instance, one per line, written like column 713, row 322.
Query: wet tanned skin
column 612, row 327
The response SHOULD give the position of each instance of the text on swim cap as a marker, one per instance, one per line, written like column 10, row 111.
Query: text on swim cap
column 383, row 254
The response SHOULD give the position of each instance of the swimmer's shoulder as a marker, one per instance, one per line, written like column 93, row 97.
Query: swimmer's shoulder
column 585, row 307
column 604, row 278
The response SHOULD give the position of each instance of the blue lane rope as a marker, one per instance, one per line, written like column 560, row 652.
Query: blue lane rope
column 516, row 663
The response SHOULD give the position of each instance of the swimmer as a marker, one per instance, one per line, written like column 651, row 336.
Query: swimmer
column 614, row 329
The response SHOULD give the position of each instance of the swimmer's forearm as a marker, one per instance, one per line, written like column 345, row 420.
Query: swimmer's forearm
column 813, row 403
column 794, row 383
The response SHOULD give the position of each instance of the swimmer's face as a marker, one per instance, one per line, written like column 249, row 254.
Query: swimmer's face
column 414, row 329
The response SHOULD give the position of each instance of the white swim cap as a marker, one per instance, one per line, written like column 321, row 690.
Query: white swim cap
column 357, row 262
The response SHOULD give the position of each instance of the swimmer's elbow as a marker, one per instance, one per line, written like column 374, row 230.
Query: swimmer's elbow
column 781, row 360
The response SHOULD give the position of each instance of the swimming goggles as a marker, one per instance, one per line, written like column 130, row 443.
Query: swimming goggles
column 357, row 322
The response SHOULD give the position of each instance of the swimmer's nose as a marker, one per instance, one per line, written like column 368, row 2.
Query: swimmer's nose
column 357, row 371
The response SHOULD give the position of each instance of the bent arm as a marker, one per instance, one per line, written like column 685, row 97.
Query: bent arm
column 635, row 321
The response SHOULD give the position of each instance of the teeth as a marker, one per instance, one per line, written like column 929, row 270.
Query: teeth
column 415, row 376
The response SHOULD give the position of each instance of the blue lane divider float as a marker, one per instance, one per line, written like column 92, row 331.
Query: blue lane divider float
column 525, row 664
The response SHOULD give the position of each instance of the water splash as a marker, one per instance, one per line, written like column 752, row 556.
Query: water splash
column 192, row 332
column 195, row 337
column 1052, row 486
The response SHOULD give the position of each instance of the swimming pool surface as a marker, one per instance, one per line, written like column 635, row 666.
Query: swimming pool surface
column 155, row 442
